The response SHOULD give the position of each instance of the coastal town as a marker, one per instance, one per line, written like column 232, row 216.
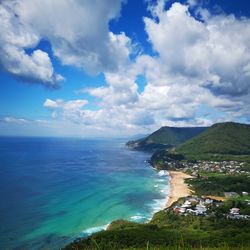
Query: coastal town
column 206, row 206
column 184, row 201
column 201, row 167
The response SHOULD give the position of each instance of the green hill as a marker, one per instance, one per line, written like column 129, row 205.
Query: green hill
column 227, row 138
column 165, row 137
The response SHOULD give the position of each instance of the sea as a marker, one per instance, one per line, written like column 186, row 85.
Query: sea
column 55, row 190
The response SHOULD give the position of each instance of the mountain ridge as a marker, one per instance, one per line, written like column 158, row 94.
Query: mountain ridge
column 221, row 138
column 165, row 137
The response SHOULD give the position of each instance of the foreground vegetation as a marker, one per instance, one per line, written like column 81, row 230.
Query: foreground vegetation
column 170, row 231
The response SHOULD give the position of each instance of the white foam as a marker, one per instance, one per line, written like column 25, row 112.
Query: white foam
column 161, row 180
column 92, row 230
column 164, row 190
column 157, row 205
column 163, row 173
column 137, row 218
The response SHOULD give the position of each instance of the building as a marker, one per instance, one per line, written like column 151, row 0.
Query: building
column 234, row 211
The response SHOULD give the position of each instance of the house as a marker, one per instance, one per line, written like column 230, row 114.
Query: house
column 191, row 211
column 245, row 193
column 208, row 201
column 239, row 217
column 200, row 208
column 182, row 210
column 234, row 211
column 193, row 200
column 186, row 204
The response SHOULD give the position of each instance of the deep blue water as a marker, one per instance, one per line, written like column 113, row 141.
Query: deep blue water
column 53, row 190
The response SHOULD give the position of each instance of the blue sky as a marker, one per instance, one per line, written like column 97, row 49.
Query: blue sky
column 119, row 68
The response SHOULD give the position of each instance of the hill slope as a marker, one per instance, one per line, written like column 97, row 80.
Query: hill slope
column 165, row 137
column 222, row 138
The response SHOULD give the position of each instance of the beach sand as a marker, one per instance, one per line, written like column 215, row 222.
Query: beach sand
column 178, row 187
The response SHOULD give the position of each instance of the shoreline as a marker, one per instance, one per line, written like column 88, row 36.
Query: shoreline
column 178, row 188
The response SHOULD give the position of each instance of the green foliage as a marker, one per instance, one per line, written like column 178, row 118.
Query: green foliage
column 235, row 202
column 169, row 231
column 216, row 157
column 121, row 224
column 172, row 135
column 221, row 142
column 159, row 157
column 247, row 166
column 217, row 185
column 220, row 139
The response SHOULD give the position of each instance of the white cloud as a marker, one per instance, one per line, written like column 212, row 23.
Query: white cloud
column 14, row 120
column 75, row 104
column 15, row 38
column 121, row 89
column 211, row 51
column 66, row 105
column 198, row 63
column 50, row 104
column 78, row 32
column 68, row 110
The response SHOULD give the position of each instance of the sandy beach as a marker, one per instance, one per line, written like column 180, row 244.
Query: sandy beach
column 178, row 187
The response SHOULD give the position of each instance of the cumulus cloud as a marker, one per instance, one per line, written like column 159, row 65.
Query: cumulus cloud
column 15, row 38
column 211, row 51
column 200, row 60
column 66, row 105
column 121, row 89
column 197, row 63
column 70, row 110
column 78, row 32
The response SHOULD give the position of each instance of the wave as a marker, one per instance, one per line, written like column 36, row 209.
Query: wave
column 157, row 205
column 164, row 190
column 92, row 230
column 163, row 173
column 138, row 218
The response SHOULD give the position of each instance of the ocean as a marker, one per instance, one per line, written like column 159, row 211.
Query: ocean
column 54, row 190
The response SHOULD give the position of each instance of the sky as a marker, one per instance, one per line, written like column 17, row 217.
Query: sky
column 109, row 68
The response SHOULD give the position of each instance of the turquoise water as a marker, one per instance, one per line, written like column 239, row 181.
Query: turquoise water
column 54, row 190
